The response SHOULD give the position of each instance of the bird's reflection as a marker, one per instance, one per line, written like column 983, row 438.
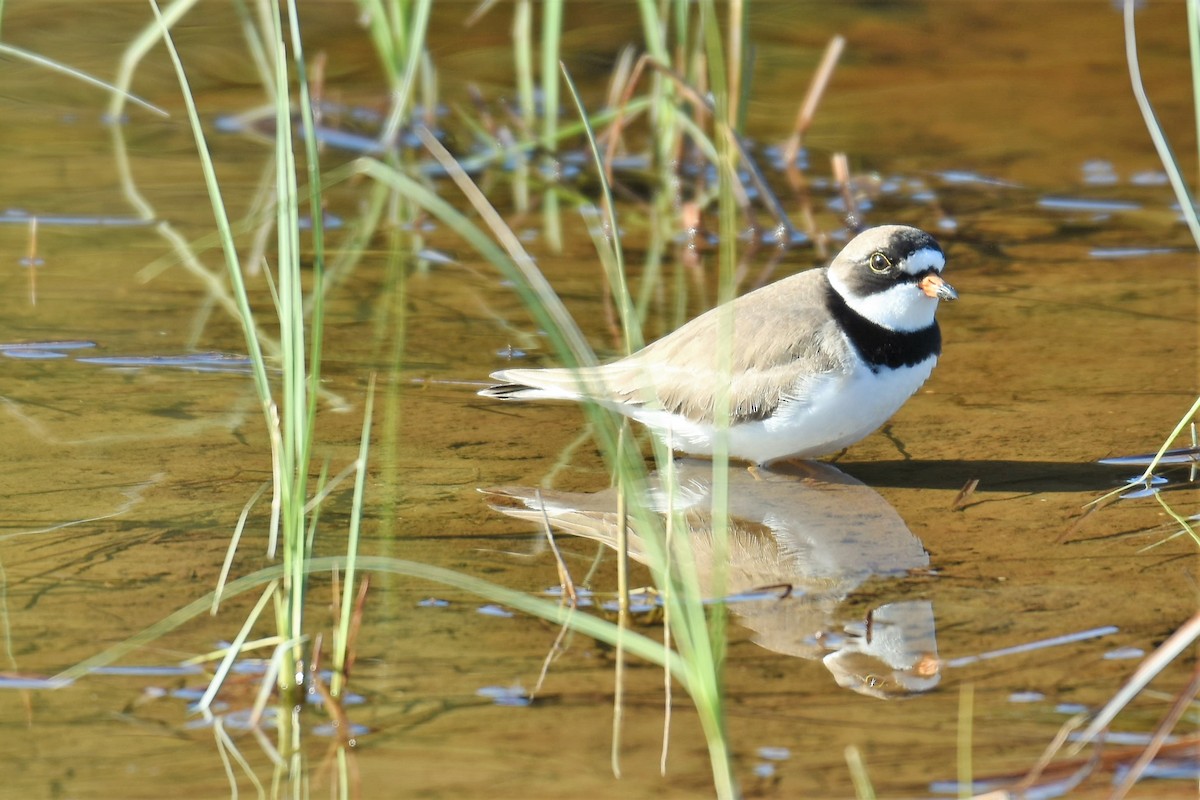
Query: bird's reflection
column 802, row 539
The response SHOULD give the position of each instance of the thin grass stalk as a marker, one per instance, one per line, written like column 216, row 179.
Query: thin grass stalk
column 233, row 266
column 225, row 745
column 221, row 218
column 670, row 485
column 234, row 540
column 1183, row 522
column 735, row 85
column 551, row 37
column 1170, row 165
column 341, row 639
column 429, row 90
column 316, row 309
column 812, row 98
column 618, row 286
column 343, row 774
column 1157, row 135
column 234, row 649
column 623, row 615
column 380, row 30
column 1193, row 18
column 292, row 467
column 522, row 34
column 141, row 44
column 254, row 43
column 726, row 290
column 863, row 788
column 392, row 328
column 268, row 681
column 712, row 711
column 663, row 110
column 313, row 507
column 966, row 725
column 414, row 29
column 120, row 94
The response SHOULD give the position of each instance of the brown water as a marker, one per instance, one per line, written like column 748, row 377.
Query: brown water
column 123, row 484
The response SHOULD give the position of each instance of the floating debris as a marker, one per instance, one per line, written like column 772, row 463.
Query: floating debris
column 19, row 217
column 1086, row 204
column 43, row 350
column 1068, row 638
column 1149, row 178
column 961, row 176
column 197, row 362
column 31, row 682
column 177, row 669
column 774, row 753
column 1124, row 654
column 1099, row 173
column 32, row 355
column 515, row 695
column 1180, row 455
column 1130, row 252
column 1026, row 697
column 435, row 256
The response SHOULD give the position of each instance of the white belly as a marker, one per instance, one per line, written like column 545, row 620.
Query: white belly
column 836, row 412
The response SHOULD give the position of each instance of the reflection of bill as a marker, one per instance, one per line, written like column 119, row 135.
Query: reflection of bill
column 802, row 540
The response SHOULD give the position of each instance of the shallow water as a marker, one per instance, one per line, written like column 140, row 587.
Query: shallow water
column 123, row 483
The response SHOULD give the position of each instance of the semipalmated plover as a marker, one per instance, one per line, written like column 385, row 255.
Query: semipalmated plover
column 817, row 360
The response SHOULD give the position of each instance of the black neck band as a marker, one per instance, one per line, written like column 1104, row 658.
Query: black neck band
column 879, row 346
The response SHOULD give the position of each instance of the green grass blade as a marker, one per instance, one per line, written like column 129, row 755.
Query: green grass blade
column 342, row 636
column 79, row 75
column 232, row 264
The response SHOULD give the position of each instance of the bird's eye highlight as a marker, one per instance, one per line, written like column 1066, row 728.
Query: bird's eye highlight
column 879, row 263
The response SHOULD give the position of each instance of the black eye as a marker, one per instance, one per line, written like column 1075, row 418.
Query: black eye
column 880, row 263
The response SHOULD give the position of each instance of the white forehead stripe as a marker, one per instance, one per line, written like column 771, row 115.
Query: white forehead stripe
column 924, row 260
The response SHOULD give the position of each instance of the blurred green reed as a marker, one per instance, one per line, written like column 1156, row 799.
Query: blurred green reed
column 692, row 53
column 696, row 631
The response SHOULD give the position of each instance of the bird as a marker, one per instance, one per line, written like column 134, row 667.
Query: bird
column 816, row 361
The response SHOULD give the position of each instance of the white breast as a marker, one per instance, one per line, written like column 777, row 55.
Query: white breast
column 829, row 413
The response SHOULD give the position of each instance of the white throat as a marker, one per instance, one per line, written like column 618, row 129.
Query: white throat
column 903, row 307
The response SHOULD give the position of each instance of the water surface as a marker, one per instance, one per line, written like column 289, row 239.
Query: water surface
column 124, row 479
